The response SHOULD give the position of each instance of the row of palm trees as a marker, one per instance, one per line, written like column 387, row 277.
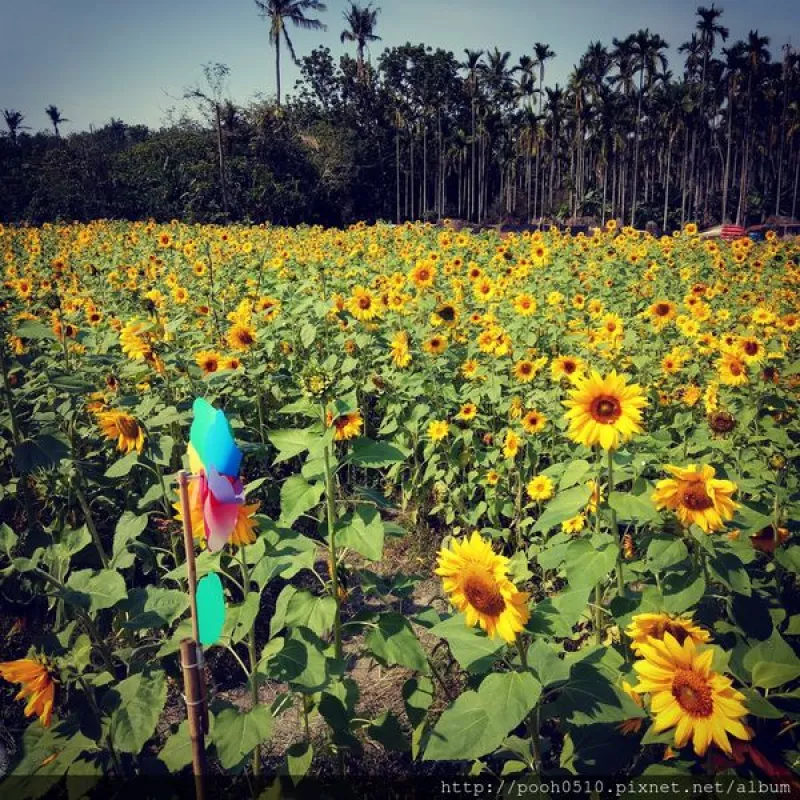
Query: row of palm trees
column 623, row 127
column 14, row 121
column 486, row 137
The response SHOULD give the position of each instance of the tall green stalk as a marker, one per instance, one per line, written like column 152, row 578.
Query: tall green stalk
column 252, row 656
column 614, row 529
column 330, row 514
column 532, row 720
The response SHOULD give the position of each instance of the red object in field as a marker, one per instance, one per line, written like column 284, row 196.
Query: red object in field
column 730, row 232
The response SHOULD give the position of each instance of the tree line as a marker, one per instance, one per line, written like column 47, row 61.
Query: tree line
column 422, row 133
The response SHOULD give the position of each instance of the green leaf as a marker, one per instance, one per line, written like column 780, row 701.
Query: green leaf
column 141, row 698
column 759, row 706
column 154, row 607
column 119, row 469
column 363, row 532
column 297, row 497
column 30, row 329
column 387, row 731
column 290, row 442
column 393, row 642
column 301, row 661
column 374, row 455
column 97, row 590
column 8, row 539
column 298, row 760
column 574, row 473
column 72, row 541
column 307, row 335
column 588, row 564
column 239, row 618
column 631, row 507
column 546, row 664
column 769, row 675
column 471, row 647
column 682, row 590
column 477, row 722
column 237, row 733
column 177, row 752
column 728, row 569
column 556, row 616
column 129, row 527
column 562, row 507
column 418, row 696
column 311, row 611
column 589, row 697
column 43, row 452
column 666, row 551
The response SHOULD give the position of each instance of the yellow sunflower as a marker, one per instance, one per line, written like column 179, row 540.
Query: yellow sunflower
column 241, row 337
column 686, row 694
column 511, row 444
column 476, row 580
column 540, row 488
column 524, row 305
column 347, row 425
column 38, row 685
column 122, row 428
column 438, row 430
column 435, row 345
column 533, row 421
column 467, row 412
column 655, row 625
column 569, row 367
column 696, row 496
column 363, row 305
column 732, row 370
column 208, row 361
column 604, row 411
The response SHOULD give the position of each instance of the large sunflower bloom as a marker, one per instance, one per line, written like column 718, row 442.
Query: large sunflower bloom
column 476, row 580
column 38, row 686
column 604, row 411
column 653, row 626
column 685, row 693
column 696, row 496
column 122, row 428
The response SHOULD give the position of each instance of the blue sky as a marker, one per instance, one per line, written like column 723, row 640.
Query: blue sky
column 95, row 60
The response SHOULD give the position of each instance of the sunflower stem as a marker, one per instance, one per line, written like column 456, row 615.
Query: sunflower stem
column 532, row 720
column 251, row 653
column 614, row 529
column 330, row 514
column 87, row 513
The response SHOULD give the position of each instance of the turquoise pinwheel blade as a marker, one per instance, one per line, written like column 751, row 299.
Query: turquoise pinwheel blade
column 211, row 437
column 210, row 608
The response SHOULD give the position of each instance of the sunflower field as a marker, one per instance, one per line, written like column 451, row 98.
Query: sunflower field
column 510, row 505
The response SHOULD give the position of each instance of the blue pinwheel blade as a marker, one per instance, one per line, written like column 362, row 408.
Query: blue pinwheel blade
column 211, row 437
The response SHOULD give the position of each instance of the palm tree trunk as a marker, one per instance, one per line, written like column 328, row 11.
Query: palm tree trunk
column 683, row 173
column 397, row 172
column 726, row 176
column 636, row 147
column 666, row 185
column 278, row 66
column 221, row 155
column 424, row 166
column 411, row 158
column 794, row 191
column 471, row 211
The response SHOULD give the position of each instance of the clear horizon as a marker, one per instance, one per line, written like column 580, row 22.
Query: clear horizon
column 97, row 61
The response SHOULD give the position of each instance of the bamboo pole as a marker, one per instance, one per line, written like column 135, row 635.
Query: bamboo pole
column 192, row 653
column 195, row 702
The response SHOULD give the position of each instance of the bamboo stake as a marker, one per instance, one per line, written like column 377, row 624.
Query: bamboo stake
column 195, row 702
column 191, row 651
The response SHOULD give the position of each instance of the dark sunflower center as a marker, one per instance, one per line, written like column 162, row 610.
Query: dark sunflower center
column 569, row 367
column 128, row 427
column 484, row 595
column 244, row 337
column 695, row 497
column 692, row 693
column 364, row 303
column 447, row 313
column 526, row 368
column 606, row 409
column 751, row 348
column 662, row 309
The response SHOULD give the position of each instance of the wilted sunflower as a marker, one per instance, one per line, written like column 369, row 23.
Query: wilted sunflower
column 476, row 580
column 696, row 496
column 38, row 685
column 604, row 411
column 686, row 694
column 655, row 625
column 117, row 426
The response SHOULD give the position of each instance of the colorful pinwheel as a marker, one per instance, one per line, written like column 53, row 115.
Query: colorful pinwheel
column 215, row 459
